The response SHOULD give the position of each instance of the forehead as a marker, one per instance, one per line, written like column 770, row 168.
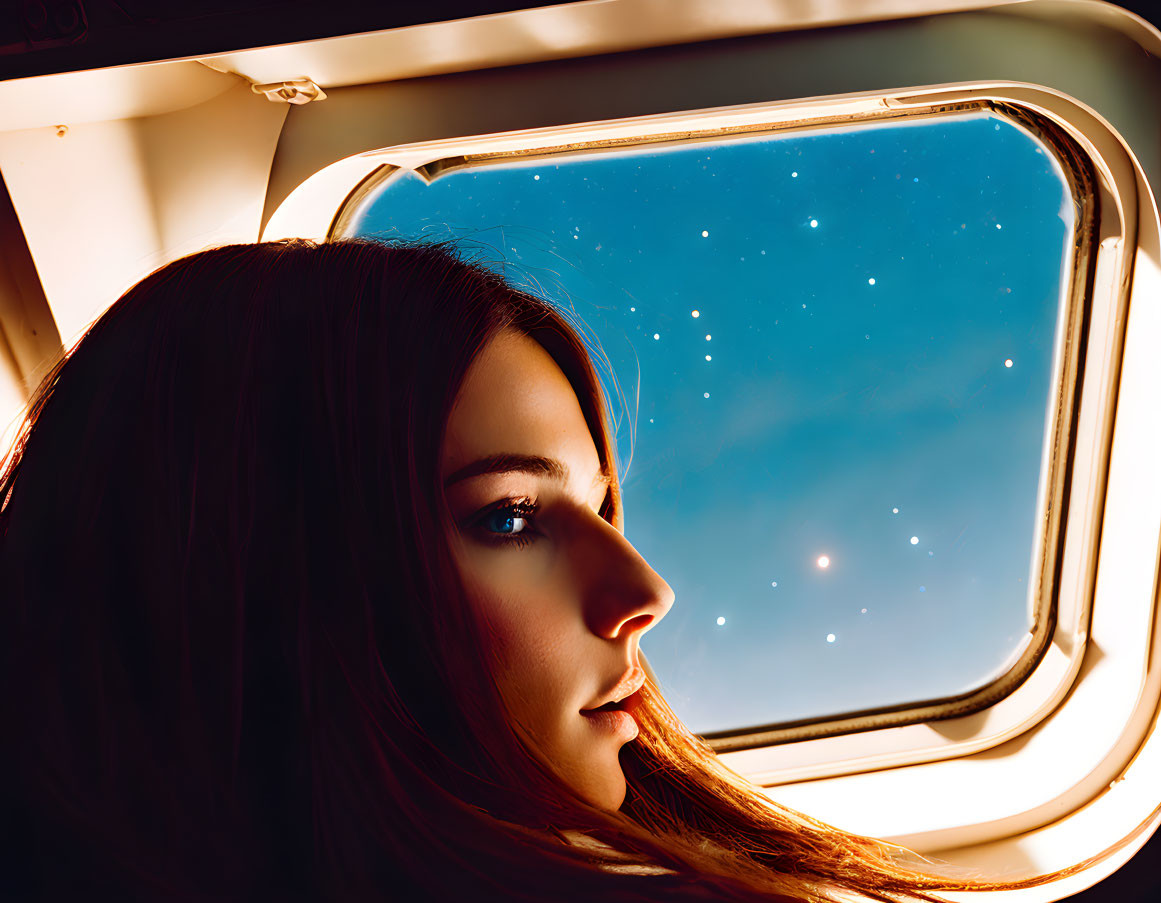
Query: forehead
column 516, row 400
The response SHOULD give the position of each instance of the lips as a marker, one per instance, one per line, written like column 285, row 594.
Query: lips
column 629, row 683
column 615, row 722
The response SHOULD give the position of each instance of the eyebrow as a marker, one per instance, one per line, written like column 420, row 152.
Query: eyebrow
column 537, row 465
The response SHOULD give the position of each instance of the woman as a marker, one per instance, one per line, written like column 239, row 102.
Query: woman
column 313, row 579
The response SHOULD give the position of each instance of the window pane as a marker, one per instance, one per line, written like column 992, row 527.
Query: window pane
column 842, row 346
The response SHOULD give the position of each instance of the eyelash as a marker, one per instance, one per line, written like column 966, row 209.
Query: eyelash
column 526, row 509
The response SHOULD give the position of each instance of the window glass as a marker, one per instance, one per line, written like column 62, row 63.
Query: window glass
column 834, row 351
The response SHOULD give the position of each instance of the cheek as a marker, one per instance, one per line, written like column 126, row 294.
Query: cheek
column 516, row 595
column 528, row 600
column 531, row 625
column 530, row 642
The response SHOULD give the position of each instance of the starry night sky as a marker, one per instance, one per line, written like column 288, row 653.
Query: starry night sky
column 828, row 344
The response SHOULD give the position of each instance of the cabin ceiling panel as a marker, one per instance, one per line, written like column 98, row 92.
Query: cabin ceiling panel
column 559, row 31
column 105, row 203
column 105, row 94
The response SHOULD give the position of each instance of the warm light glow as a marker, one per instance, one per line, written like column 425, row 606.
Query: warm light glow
column 830, row 637
column 914, row 540
column 721, row 621
column 695, row 314
column 704, row 233
column 823, row 561
column 1008, row 362
column 814, row 224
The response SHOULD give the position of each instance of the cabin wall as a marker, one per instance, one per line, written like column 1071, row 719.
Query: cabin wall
column 105, row 203
column 101, row 204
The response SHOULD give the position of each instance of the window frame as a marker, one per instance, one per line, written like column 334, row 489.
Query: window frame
column 882, row 781
column 432, row 160
column 1049, row 661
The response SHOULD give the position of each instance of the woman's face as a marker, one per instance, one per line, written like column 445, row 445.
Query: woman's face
column 565, row 592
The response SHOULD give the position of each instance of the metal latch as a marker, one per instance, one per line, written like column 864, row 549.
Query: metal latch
column 301, row 90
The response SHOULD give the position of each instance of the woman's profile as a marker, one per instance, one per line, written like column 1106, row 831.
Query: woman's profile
column 314, row 586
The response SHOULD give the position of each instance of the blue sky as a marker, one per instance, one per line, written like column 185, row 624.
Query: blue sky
column 863, row 291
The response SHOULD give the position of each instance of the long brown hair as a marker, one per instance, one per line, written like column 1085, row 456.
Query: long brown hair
column 237, row 660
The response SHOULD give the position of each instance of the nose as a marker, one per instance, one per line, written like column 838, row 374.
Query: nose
column 622, row 593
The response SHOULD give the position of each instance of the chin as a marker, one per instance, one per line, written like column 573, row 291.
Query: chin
column 605, row 790
column 617, row 798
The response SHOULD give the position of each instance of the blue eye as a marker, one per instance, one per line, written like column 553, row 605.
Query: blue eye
column 504, row 522
column 508, row 523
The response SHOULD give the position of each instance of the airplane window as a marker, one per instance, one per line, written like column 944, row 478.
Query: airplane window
column 833, row 352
